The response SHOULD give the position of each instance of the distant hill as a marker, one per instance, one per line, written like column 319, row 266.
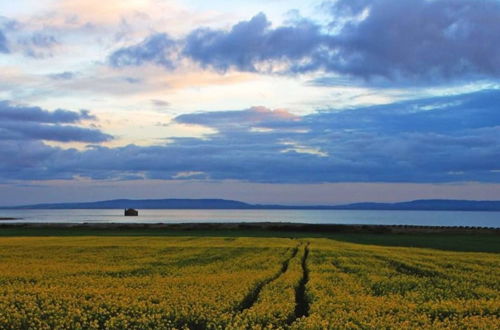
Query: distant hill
column 428, row 204
column 146, row 204
column 220, row 204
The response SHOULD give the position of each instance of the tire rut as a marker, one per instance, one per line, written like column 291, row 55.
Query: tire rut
column 406, row 268
column 301, row 302
column 253, row 295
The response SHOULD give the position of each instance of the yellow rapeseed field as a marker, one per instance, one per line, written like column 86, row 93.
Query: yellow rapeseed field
column 134, row 282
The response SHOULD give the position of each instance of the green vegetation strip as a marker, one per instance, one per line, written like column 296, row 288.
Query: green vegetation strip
column 455, row 239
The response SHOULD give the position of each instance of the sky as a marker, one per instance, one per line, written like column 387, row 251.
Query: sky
column 291, row 102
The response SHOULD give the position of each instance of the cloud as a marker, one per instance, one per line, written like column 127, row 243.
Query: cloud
column 24, row 123
column 434, row 140
column 37, row 114
column 132, row 80
column 397, row 41
column 35, row 42
column 445, row 114
column 155, row 49
column 3, row 44
column 418, row 39
column 59, row 133
column 250, row 44
column 66, row 75
column 160, row 103
column 241, row 120
column 43, row 40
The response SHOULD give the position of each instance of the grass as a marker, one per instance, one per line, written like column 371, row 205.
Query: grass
column 463, row 243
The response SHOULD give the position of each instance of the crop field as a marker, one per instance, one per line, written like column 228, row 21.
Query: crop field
column 192, row 282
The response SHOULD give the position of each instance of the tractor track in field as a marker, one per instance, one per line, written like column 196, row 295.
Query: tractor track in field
column 407, row 268
column 301, row 301
column 253, row 295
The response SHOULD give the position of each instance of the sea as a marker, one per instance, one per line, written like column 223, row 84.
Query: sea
column 373, row 217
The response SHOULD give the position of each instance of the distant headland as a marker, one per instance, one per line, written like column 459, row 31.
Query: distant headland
column 224, row 204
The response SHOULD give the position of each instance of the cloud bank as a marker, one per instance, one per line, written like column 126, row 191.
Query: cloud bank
column 416, row 39
column 413, row 40
column 23, row 123
column 437, row 140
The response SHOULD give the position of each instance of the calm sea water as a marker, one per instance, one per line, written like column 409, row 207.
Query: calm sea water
column 425, row 218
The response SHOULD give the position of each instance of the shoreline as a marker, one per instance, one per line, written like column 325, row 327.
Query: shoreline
column 262, row 226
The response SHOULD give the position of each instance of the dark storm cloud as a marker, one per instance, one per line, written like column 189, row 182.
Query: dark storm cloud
column 442, row 139
column 413, row 40
column 18, row 123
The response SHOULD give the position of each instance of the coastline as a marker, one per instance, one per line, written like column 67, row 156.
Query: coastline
column 260, row 226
